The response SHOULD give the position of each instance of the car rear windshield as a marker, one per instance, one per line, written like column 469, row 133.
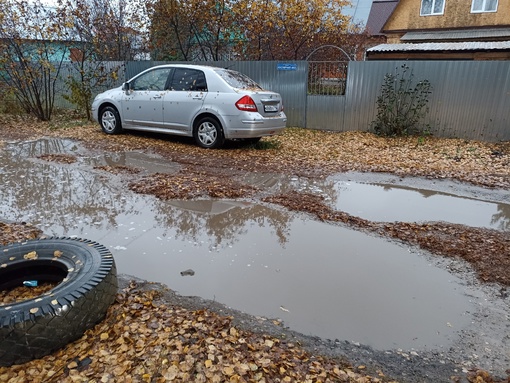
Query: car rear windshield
column 238, row 80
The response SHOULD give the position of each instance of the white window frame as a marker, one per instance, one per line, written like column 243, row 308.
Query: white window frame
column 432, row 13
column 484, row 5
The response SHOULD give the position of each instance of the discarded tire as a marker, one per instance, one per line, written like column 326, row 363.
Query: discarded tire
column 87, row 285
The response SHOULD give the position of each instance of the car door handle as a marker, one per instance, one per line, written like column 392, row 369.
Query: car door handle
column 157, row 96
column 197, row 97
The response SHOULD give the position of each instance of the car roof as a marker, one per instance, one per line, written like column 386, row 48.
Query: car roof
column 190, row 66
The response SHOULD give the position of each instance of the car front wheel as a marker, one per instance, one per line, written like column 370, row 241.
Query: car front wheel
column 110, row 120
column 208, row 133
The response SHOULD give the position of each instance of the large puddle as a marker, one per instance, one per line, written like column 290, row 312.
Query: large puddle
column 320, row 279
column 388, row 203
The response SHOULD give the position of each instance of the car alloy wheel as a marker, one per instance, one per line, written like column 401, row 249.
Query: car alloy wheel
column 208, row 133
column 110, row 120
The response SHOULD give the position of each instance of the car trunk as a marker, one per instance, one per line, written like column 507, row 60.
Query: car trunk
column 269, row 104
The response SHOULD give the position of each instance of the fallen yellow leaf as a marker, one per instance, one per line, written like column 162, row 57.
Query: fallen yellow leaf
column 31, row 255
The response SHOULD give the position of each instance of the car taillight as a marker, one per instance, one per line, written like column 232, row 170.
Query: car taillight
column 247, row 104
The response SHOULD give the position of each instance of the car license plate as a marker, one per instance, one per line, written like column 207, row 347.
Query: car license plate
column 270, row 108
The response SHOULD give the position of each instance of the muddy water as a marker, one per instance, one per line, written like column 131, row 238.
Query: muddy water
column 320, row 279
column 387, row 202
column 382, row 198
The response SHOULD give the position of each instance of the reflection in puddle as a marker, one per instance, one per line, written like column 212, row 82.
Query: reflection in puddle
column 320, row 279
column 141, row 161
column 388, row 203
column 385, row 202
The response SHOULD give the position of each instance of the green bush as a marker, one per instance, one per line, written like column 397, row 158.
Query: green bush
column 401, row 105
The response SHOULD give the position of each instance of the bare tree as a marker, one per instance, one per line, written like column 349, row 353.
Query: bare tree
column 87, row 70
column 192, row 30
column 112, row 28
column 31, row 55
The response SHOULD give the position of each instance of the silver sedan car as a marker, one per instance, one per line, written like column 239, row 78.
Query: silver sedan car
column 207, row 103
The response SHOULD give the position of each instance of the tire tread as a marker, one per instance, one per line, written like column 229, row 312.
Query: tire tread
column 25, row 336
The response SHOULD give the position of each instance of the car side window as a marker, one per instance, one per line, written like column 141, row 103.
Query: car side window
column 154, row 80
column 188, row 80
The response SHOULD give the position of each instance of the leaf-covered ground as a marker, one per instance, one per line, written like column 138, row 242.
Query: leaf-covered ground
column 144, row 340
column 175, row 344
column 302, row 152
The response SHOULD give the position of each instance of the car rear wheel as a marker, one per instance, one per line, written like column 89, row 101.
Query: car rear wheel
column 208, row 133
column 110, row 120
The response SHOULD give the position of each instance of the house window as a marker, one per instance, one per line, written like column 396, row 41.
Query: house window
column 432, row 7
column 484, row 6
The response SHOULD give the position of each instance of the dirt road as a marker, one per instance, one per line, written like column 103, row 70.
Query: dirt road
column 308, row 154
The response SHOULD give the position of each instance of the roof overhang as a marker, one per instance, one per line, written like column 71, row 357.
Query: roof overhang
column 458, row 34
column 454, row 46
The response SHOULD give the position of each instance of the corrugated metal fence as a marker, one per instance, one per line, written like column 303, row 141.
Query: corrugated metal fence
column 469, row 99
column 113, row 75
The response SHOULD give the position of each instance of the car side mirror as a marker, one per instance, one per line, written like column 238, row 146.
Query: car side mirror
column 125, row 87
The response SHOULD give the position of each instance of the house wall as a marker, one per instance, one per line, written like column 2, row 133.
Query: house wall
column 55, row 50
column 457, row 14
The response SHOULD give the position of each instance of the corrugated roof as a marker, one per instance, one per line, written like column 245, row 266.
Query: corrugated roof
column 457, row 34
column 379, row 14
column 463, row 46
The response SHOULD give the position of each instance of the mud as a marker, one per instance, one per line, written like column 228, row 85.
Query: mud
column 483, row 343
column 479, row 346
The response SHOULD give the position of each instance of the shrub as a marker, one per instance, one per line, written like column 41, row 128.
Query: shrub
column 401, row 105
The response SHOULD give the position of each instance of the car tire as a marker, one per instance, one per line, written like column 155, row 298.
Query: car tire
column 208, row 133
column 109, row 119
column 86, row 279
